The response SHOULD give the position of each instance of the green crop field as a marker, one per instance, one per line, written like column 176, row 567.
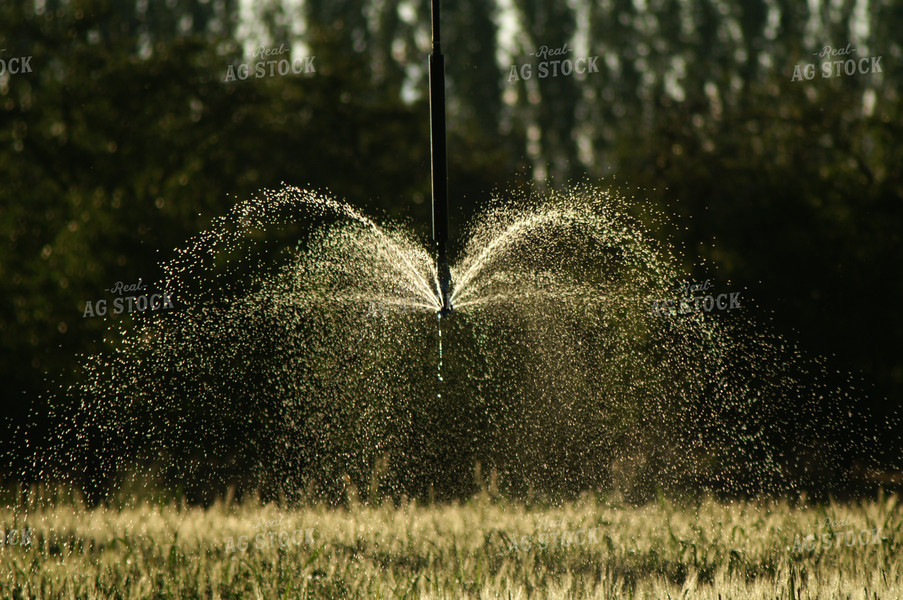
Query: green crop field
column 484, row 548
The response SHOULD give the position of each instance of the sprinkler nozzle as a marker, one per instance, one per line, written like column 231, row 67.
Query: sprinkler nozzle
column 444, row 286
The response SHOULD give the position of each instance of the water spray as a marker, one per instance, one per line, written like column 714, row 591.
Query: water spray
column 439, row 166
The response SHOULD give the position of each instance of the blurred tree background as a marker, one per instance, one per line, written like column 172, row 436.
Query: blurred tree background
column 126, row 139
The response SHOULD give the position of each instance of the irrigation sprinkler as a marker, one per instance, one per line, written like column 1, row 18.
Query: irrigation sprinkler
column 439, row 166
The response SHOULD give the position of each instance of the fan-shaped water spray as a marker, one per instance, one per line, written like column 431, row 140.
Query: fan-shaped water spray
column 307, row 366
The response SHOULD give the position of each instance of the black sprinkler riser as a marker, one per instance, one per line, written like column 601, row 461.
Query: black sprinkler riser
column 439, row 162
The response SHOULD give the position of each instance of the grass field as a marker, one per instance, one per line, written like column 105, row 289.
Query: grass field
column 484, row 548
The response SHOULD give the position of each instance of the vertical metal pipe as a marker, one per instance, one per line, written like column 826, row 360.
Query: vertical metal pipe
column 439, row 162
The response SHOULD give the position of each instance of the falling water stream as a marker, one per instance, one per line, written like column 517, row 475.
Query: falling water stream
column 439, row 363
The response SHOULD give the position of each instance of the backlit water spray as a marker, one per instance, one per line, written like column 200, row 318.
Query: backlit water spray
column 302, row 362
